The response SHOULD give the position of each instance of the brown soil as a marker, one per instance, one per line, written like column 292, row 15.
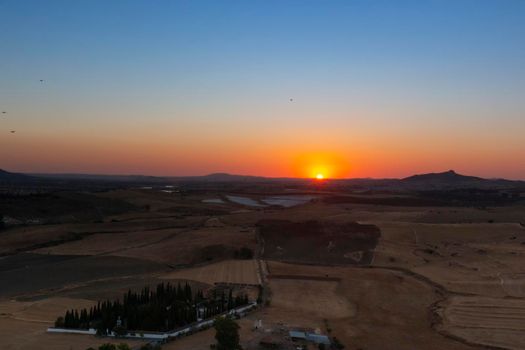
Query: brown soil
column 318, row 242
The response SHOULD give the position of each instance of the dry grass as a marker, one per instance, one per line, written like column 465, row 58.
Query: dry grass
column 109, row 243
column 228, row 271
column 382, row 307
column 23, row 326
column 195, row 246
column 489, row 321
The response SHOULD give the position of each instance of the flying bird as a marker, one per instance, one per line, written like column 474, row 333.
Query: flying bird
column 41, row 80
column 291, row 100
column 4, row 112
column 13, row 131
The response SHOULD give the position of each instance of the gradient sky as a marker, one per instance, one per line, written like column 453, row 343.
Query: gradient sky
column 379, row 88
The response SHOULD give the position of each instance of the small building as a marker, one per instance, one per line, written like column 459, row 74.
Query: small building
column 309, row 337
column 318, row 338
column 297, row 335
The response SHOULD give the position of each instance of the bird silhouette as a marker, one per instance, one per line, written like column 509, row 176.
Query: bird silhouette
column 41, row 80
column 4, row 112
column 13, row 131
column 291, row 100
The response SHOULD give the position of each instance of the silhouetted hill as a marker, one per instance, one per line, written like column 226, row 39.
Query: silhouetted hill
column 225, row 177
column 6, row 176
column 447, row 176
column 452, row 180
column 448, row 180
column 103, row 177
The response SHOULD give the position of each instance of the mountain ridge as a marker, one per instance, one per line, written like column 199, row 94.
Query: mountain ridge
column 448, row 178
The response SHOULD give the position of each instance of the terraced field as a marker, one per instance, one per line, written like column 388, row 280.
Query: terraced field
column 489, row 321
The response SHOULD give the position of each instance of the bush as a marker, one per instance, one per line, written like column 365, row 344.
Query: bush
column 337, row 344
column 150, row 347
column 59, row 323
column 227, row 334
column 120, row 331
column 107, row 347
column 244, row 253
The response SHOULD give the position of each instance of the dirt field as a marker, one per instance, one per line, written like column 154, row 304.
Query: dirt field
column 319, row 242
column 108, row 244
column 228, row 271
column 26, row 274
column 490, row 321
column 317, row 299
column 195, row 246
column 203, row 340
column 411, row 277
column 23, row 326
column 380, row 307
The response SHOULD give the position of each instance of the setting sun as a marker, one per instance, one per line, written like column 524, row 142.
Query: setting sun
column 319, row 176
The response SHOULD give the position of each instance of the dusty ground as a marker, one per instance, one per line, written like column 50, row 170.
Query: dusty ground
column 492, row 321
column 318, row 241
column 23, row 325
column 439, row 277
column 228, row 271
column 365, row 310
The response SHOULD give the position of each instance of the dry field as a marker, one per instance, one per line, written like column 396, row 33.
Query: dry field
column 24, row 275
column 23, row 326
column 203, row 340
column 228, row 271
column 309, row 299
column 490, row 321
column 439, row 277
column 319, row 242
column 195, row 246
column 367, row 309
column 110, row 243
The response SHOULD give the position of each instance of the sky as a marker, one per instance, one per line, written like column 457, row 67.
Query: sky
column 273, row 88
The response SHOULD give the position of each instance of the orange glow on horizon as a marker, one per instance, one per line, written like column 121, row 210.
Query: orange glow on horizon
column 320, row 165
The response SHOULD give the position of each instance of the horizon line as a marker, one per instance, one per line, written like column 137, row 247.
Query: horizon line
column 244, row 175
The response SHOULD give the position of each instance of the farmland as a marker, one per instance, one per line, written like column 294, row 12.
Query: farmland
column 367, row 273
column 227, row 271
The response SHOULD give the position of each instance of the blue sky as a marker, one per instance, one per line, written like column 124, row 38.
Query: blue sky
column 445, row 71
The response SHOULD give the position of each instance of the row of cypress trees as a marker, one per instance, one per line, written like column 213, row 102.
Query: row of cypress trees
column 164, row 308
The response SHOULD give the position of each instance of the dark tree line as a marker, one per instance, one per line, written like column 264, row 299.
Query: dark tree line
column 165, row 308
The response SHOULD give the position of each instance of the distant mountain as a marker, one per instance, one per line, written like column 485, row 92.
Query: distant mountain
column 102, row 177
column 223, row 177
column 6, row 176
column 447, row 176
column 452, row 180
column 448, row 180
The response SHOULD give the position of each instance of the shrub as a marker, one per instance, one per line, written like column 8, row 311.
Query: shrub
column 244, row 253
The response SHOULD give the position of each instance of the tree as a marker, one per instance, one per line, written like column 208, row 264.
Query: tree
column 107, row 346
column 337, row 344
column 165, row 307
column 150, row 347
column 120, row 331
column 59, row 323
column 243, row 253
column 123, row 346
column 227, row 334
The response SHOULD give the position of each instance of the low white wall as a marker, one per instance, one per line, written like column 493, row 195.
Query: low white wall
column 90, row 331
